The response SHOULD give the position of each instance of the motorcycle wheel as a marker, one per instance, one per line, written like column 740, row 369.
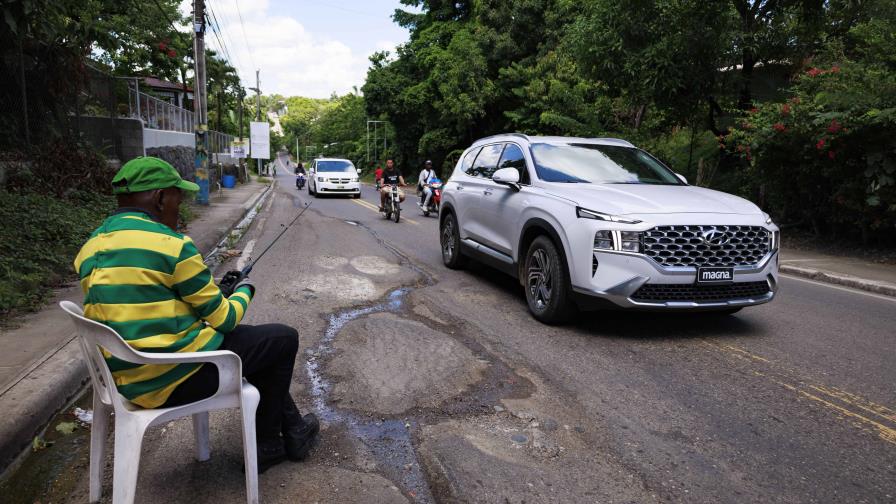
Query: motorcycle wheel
column 397, row 214
column 426, row 213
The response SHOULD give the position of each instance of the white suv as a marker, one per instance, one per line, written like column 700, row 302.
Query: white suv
column 596, row 222
column 333, row 176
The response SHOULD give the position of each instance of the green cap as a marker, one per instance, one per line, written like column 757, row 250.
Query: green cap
column 146, row 174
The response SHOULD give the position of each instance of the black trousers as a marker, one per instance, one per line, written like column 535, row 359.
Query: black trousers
column 268, row 353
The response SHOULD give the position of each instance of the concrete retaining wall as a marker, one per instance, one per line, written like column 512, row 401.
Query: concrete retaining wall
column 161, row 138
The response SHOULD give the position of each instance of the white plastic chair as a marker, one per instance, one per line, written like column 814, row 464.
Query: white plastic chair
column 131, row 421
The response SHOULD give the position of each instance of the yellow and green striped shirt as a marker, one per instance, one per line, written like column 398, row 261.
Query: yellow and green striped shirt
column 149, row 284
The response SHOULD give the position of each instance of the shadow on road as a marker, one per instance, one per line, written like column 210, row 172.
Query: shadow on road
column 630, row 324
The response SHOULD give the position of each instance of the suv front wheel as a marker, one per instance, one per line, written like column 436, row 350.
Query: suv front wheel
column 547, row 282
column 449, row 239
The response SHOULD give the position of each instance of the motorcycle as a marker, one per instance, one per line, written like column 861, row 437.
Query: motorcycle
column 435, row 185
column 300, row 181
column 393, row 204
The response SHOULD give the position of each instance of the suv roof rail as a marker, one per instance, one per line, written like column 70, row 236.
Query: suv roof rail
column 520, row 135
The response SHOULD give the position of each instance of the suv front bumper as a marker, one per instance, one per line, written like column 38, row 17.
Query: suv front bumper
column 631, row 280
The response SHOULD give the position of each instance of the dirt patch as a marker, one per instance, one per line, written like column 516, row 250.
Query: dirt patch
column 388, row 365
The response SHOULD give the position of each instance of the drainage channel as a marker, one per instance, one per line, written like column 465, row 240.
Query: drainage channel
column 388, row 439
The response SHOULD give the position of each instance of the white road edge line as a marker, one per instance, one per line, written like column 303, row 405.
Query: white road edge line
column 839, row 287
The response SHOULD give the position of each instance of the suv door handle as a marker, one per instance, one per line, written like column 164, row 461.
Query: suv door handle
column 487, row 192
column 460, row 187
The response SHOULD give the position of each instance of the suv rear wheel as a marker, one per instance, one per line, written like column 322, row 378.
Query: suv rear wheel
column 547, row 282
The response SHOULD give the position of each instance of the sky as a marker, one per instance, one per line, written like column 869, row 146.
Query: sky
column 308, row 48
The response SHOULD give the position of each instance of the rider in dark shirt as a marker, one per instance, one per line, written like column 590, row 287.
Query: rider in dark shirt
column 391, row 177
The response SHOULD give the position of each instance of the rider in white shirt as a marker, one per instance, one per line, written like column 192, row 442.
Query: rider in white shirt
column 423, row 182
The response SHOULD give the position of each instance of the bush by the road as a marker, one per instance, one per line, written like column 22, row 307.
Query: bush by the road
column 826, row 157
column 39, row 239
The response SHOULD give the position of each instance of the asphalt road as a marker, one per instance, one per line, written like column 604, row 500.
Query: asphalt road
column 793, row 401
column 438, row 386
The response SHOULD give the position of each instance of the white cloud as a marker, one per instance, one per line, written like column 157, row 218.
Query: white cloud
column 292, row 60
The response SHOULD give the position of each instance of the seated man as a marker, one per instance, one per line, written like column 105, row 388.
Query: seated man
column 390, row 178
column 149, row 283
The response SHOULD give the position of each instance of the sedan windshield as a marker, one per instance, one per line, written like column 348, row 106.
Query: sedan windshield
column 335, row 166
column 599, row 164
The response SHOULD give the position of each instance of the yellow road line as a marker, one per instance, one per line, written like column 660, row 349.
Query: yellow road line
column 371, row 206
column 853, row 406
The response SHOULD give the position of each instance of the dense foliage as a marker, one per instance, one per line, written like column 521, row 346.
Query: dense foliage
column 679, row 77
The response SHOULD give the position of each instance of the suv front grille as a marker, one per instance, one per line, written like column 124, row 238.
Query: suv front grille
column 700, row 293
column 685, row 245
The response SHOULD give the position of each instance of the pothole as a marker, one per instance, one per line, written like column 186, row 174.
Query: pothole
column 374, row 265
column 337, row 286
column 330, row 262
column 388, row 365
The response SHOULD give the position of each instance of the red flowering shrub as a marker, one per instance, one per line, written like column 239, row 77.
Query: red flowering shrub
column 835, row 169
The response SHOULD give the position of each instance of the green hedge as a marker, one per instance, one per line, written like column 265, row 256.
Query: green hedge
column 39, row 239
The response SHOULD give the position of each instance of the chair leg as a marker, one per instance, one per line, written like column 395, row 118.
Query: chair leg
column 249, row 403
column 99, row 433
column 128, row 441
column 200, row 432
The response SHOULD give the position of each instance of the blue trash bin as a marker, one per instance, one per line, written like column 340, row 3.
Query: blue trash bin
column 228, row 181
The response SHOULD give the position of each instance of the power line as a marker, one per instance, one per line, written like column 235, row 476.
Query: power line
column 243, row 28
column 225, row 34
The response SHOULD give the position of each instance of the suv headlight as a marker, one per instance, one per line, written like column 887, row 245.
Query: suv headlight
column 624, row 241
column 583, row 213
column 603, row 240
column 354, row 179
column 321, row 179
column 768, row 218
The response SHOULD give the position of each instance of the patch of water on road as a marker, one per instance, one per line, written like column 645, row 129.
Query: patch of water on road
column 388, row 439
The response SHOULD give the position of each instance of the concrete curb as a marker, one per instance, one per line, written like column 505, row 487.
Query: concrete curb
column 240, row 227
column 884, row 288
column 55, row 380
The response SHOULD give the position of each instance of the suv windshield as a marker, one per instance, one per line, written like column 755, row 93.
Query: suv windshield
column 335, row 166
column 599, row 164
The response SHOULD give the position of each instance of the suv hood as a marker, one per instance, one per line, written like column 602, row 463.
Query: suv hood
column 622, row 199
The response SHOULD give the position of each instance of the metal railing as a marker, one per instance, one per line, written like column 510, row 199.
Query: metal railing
column 158, row 114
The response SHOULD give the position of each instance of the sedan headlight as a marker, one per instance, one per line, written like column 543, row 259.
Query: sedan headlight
column 583, row 213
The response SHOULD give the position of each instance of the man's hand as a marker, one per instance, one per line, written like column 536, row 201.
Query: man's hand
column 229, row 282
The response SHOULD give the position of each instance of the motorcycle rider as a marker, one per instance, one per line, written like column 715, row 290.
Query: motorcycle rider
column 391, row 177
column 423, row 184
column 300, row 175
column 300, row 169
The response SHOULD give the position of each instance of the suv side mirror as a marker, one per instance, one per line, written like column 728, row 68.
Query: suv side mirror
column 507, row 176
column 358, row 170
column 681, row 178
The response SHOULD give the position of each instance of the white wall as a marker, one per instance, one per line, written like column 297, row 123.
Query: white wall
column 164, row 138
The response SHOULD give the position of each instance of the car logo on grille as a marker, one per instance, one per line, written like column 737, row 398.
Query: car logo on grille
column 714, row 237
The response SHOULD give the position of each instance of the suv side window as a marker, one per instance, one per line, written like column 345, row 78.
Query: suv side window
column 513, row 158
column 467, row 165
column 487, row 161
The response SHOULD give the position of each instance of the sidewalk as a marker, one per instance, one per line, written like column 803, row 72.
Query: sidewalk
column 846, row 271
column 40, row 366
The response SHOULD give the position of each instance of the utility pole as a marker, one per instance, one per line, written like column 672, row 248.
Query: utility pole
column 240, row 112
column 200, row 105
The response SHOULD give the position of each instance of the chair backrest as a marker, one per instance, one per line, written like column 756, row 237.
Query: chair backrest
column 93, row 336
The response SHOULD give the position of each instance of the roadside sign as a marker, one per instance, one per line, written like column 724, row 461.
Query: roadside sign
column 239, row 149
column 260, row 135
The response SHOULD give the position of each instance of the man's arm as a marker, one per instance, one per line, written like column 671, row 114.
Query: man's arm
column 194, row 282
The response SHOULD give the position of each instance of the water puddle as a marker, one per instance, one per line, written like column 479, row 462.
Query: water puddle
column 388, row 439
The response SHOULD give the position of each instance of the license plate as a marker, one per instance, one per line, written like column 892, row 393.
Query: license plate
column 715, row 275
column 340, row 187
